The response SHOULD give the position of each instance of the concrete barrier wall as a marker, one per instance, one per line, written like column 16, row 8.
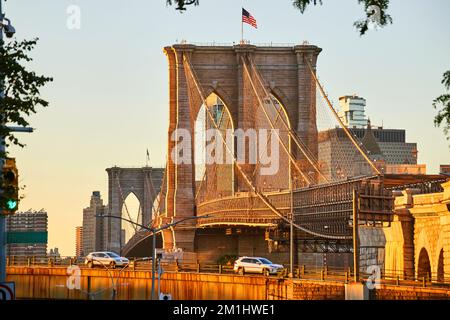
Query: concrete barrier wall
column 390, row 292
column 51, row 283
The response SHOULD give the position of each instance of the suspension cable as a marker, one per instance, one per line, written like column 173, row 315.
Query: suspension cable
column 273, row 127
column 303, row 148
column 346, row 130
column 263, row 198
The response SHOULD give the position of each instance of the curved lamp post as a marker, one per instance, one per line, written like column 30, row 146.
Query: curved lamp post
column 154, row 232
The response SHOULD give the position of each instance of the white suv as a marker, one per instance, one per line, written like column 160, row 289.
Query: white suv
column 256, row 265
column 105, row 258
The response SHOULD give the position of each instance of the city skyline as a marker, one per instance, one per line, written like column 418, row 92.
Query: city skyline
column 88, row 129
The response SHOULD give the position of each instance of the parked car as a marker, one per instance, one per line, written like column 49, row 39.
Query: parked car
column 256, row 265
column 105, row 258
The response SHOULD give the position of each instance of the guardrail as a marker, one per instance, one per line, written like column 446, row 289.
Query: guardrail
column 331, row 274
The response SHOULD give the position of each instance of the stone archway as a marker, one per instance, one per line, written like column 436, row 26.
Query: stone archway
column 222, row 69
column 440, row 267
column 144, row 183
column 424, row 265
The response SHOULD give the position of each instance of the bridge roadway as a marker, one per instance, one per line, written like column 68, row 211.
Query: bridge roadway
column 40, row 282
column 334, row 274
column 322, row 209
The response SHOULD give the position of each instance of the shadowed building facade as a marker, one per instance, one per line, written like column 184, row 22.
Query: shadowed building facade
column 93, row 227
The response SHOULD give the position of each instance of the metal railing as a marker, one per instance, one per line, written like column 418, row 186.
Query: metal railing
column 303, row 272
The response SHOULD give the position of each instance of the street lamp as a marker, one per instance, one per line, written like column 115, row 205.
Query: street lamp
column 154, row 232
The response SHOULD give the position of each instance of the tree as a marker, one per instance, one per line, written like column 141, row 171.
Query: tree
column 376, row 13
column 443, row 104
column 182, row 3
column 377, row 17
column 20, row 87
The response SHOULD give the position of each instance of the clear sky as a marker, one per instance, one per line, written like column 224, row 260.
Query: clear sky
column 109, row 99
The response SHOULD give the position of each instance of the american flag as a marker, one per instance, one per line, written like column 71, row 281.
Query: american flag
column 248, row 18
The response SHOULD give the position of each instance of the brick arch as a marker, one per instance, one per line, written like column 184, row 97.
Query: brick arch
column 285, row 103
column 280, row 180
column 144, row 183
column 423, row 242
column 424, row 265
column 138, row 196
column 226, row 99
column 231, row 173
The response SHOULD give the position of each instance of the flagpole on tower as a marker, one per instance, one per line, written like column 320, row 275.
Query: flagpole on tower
column 242, row 28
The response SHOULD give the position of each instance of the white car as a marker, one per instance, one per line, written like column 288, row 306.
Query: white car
column 256, row 265
column 105, row 258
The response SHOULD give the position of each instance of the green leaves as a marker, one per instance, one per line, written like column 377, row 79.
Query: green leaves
column 303, row 4
column 182, row 3
column 375, row 10
column 20, row 86
column 443, row 104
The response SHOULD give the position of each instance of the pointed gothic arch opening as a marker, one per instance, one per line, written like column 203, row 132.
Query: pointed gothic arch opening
column 212, row 161
column 131, row 210
column 424, row 266
column 271, row 153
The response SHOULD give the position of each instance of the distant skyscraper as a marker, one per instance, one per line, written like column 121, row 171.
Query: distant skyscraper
column 27, row 234
column 352, row 111
column 386, row 147
column 79, row 252
column 54, row 253
column 93, row 232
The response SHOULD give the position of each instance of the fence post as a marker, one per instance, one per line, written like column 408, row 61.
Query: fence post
column 424, row 281
column 133, row 264
column 322, row 275
column 28, row 261
column 397, row 282
column 198, row 266
column 220, row 269
column 297, row 272
column 346, row 275
column 177, row 266
column 33, row 260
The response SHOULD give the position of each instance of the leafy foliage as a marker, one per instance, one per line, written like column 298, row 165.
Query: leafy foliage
column 21, row 87
column 302, row 4
column 375, row 12
column 182, row 3
column 443, row 104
